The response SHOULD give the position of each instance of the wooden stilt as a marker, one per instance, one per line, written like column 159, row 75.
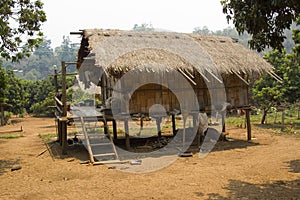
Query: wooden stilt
column 64, row 136
column 173, row 124
column 115, row 132
column 158, row 121
column 248, row 124
column 127, row 139
column 223, row 122
column 2, row 115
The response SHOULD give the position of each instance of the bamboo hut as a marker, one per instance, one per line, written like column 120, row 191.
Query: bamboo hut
column 177, row 71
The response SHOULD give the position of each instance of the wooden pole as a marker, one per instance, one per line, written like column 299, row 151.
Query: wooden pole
column 173, row 124
column 64, row 108
column 282, row 120
column 248, row 124
column 64, row 135
column 55, row 80
column 127, row 140
column 115, row 132
column 2, row 115
column 223, row 122
column 64, row 88
column 158, row 121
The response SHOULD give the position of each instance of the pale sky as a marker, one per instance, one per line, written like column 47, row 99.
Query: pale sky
column 65, row 16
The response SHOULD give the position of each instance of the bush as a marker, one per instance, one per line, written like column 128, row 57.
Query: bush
column 42, row 108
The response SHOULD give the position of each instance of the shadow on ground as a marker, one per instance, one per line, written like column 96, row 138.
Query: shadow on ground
column 7, row 165
column 279, row 189
column 295, row 166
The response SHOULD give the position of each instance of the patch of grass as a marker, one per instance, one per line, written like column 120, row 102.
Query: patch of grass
column 235, row 120
column 47, row 137
column 11, row 136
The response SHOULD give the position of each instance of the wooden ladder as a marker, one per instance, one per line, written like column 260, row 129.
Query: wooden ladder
column 100, row 145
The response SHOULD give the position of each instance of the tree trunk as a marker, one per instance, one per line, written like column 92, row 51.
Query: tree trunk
column 264, row 116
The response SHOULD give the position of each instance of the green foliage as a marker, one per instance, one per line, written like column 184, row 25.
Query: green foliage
column 11, row 136
column 264, row 20
column 3, row 85
column 20, row 30
column 268, row 92
column 228, row 32
column 41, row 63
column 16, row 94
column 42, row 108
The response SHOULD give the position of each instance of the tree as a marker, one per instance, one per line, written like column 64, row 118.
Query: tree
column 16, row 94
column 67, row 52
column 268, row 92
column 264, row 20
column 143, row 27
column 3, row 84
column 204, row 30
column 20, row 27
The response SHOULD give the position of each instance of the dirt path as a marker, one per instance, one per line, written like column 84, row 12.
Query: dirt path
column 266, row 168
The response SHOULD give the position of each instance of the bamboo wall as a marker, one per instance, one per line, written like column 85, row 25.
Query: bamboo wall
column 146, row 95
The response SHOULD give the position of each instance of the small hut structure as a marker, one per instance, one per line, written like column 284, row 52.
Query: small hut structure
column 167, row 72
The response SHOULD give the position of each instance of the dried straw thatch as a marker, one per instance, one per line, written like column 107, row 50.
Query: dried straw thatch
column 119, row 51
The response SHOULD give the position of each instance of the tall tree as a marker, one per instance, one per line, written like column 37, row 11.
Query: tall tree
column 3, row 85
column 264, row 20
column 16, row 94
column 20, row 27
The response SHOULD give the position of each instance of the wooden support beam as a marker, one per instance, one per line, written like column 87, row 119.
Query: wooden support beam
column 115, row 132
column 2, row 116
column 223, row 122
column 58, row 101
column 64, row 88
column 173, row 124
column 248, row 122
column 127, row 139
column 277, row 79
column 246, row 82
column 186, row 76
column 213, row 75
column 64, row 135
column 205, row 78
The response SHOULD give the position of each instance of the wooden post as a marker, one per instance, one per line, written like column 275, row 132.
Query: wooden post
column 223, row 122
column 59, row 131
column 127, row 140
column 64, row 88
column 55, row 80
column 282, row 120
column 173, row 124
column 64, row 142
column 115, row 132
column 63, row 118
column 248, row 124
column 2, row 115
column 158, row 121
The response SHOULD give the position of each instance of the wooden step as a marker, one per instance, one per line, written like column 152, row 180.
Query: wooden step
column 104, row 154
column 100, row 144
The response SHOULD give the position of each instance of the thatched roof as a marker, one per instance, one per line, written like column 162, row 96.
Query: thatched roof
column 120, row 51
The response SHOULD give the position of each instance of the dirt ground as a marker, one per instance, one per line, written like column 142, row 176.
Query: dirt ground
column 268, row 167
